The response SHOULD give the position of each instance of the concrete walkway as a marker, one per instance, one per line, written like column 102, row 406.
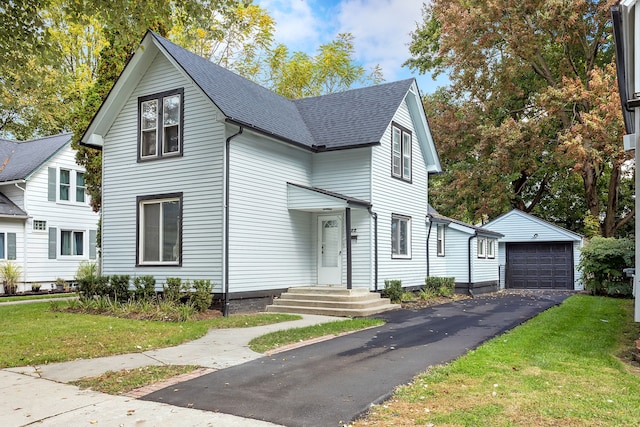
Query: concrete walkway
column 39, row 395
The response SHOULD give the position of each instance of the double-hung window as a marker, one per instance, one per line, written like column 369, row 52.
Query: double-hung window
column 482, row 252
column 440, row 239
column 400, row 152
column 160, row 121
column 65, row 184
column 491, row 248
column 400, row 236
column 160, row 229
column 71, row 243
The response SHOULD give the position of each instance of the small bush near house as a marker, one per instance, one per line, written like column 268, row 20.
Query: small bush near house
column 173, row 290
column 602, row 261
column 144, row 288
column 201, row 296
column 440, row 286
column 427, row 294
column 393, row 290
column 119, row 288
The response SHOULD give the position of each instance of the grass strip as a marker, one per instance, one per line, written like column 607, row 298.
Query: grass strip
column 38, row 297
column 560, row 368
column 124, row 380
column 276, row 339
column 31, row 334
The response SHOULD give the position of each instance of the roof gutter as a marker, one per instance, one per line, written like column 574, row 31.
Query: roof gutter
column 225, row 307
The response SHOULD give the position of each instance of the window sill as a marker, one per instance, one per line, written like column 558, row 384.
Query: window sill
column 400, row 256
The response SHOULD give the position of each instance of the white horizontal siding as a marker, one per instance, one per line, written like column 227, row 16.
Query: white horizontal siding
column 345, row 171
column 394, row 196
column 198, row 174
column 270, row 246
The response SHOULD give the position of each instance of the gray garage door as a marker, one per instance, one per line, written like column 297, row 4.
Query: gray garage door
column 547, row 265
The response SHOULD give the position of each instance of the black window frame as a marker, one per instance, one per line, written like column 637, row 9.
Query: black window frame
column 159, row 197
column 160, row 127
column 403, row 131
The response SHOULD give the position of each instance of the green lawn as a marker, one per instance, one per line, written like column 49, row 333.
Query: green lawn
column 31, row 334
column 562, row 368
column 37, row 297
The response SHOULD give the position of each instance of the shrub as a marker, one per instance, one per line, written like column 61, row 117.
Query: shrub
column 119, row 287
column 427, row 293
column 442, row 286
column 201, row 297
column 86, row 270
column 173, row 289
column 602, row 261
column 11, row 276
column 393, row 290
column 144, row 288
column 408, row 296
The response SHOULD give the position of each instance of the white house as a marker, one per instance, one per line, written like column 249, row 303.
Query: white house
column 535, row 254
column 207, row 175
column 47, row 226
column 466, row 252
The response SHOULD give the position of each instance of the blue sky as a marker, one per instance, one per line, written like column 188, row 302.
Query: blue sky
column 381, row 29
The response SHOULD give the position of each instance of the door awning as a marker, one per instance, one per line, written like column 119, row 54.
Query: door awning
column 314, row 199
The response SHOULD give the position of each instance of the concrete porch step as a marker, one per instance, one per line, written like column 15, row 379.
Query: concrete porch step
column 331, row 301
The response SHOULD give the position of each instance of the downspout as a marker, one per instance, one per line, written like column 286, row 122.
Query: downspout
column 475, row 234
column 347, row 221
column 428, row 236
column 227, row 152
column 375, row 247
column 25, row 240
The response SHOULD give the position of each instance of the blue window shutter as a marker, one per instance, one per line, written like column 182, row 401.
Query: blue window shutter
column 53, row 242
column 52, row 185
column 92, row 244
column 11, row 246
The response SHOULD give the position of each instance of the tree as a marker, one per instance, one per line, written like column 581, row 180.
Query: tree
column 333, row 69
column 532, row 80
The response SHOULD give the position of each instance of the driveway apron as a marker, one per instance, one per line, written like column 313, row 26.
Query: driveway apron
column 333, row 382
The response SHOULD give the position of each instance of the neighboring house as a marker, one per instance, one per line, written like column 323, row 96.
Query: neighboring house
column 535, row 254
column 466, row 252
column 207, row 175
column 47, row 226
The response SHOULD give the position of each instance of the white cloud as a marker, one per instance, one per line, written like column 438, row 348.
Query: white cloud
column 298, row 25
column 382, row 31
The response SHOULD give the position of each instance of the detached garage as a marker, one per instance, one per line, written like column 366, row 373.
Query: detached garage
column 535, row 254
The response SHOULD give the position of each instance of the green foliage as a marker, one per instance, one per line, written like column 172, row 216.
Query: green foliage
column 144, row 288
column 442, row 286
column 427, row 294
column 174, row 290
column 408, row 296
column 393, row 290
column 201, row 296
column 86, row 270
column 119, row 288
column 602, row 261
column 10, row 273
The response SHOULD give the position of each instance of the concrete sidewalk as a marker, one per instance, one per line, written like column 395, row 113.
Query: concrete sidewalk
column 39, row 395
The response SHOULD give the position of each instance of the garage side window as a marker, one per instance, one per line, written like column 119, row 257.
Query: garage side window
column 482, row 247
column 491, row 248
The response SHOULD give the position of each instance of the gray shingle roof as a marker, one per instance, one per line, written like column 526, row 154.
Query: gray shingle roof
column 341, row 120
column 8, row 208
column 18, row 160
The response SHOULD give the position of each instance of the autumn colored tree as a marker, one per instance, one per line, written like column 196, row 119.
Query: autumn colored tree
column 532, row 107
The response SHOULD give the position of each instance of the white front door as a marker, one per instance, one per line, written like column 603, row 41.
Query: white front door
column 329, row 250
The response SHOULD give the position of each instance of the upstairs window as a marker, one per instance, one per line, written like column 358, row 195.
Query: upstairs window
column 160, row 120
column 401, row 152
column 440, row 239
column 80, row 187
column 65, row 184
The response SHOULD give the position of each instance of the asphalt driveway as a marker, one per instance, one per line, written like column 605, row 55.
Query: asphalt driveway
column 333, row 382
